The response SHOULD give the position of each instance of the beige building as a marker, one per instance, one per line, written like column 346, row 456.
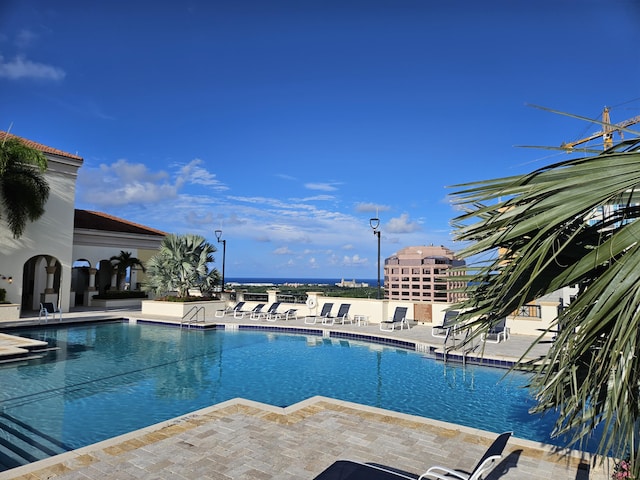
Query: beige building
column 422, row 274
column 63, row 257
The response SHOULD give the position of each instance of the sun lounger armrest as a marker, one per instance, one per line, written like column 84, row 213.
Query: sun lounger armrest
column 442, row 473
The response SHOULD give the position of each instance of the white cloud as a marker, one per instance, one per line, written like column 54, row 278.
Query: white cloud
column 123, row 183
column 20, row 68
column 282, row 251
column 354, row 260
column 315, row 198
column 195, row 174
column 325, row 187
column 25, row 38
column 367, row 207
column 402, row 225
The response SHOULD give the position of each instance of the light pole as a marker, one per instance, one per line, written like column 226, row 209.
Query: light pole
column 224, row 254
column 375, row 224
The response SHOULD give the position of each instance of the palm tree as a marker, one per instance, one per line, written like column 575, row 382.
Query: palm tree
column 122, row 262
column 23, row 189
column 570, row 223
column 182, row 264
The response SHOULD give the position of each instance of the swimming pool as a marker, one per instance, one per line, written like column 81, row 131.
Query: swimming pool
column 107, row 379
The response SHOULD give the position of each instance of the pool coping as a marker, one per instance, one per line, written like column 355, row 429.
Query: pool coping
column 436, row 351
column 137, row 440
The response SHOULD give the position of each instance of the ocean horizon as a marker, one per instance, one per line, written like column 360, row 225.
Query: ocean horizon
column 297, row 280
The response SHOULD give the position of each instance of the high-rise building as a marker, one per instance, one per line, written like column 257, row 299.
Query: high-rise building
column 423, row 274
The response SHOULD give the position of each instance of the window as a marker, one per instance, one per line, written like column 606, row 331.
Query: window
column 426, row 270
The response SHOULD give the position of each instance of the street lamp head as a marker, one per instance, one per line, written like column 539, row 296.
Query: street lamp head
column 218, row 235
column 375, row 223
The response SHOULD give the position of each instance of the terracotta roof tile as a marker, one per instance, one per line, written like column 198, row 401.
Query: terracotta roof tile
column 39, row 146
column 105, row 222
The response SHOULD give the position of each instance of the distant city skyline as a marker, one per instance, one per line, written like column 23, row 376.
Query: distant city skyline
column 288, row 125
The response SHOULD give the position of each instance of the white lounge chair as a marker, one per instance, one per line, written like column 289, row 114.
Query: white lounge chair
column 349, row 470
column 448, row 325
column 399, row 316
column 270, row 311
column 325, row 312
column 226, row 311
column 498, row 331
column 242, row 313
column 290, row 314
column 49, row 309
column 342, row 316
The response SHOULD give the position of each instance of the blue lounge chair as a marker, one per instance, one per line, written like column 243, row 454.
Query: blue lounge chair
column 241, row 313
column 325, row 312
column 448, row 324
column 348, row 470
column 498, row 331
column 399, row 316
column 270, row 311
column 49, row 309
column 342, row 316
column 290, row 314
column 229, row 310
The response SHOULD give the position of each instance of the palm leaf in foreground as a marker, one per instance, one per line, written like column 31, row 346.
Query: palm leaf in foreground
column 557, row 227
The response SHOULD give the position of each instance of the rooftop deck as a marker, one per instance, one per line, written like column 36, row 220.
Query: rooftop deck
column 241, row 439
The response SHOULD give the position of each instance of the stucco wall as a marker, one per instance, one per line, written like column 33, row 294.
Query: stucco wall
column 51, row 235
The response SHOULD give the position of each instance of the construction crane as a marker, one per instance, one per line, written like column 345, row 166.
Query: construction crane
column 606, row 133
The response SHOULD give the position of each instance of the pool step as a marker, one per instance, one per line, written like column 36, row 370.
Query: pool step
column 21, row 444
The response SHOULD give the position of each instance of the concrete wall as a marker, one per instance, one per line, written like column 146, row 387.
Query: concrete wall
column 377, row 310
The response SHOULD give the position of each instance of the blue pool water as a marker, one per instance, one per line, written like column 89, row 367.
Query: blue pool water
column 109, row 379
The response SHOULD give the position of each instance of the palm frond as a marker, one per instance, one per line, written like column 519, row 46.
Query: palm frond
column 570, row 223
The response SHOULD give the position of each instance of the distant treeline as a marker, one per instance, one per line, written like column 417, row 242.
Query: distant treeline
column 301, row 292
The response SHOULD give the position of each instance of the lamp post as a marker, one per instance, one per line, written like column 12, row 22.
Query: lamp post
column 375, row 224
column 224, row 254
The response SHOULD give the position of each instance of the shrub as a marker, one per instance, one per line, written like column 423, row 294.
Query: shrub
column 120, row 294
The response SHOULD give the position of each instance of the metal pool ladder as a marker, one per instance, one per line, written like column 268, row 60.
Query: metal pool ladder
column 191, row 316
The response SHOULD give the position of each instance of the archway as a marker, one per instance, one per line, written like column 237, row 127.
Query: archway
column 80, row 281
column 41, row 277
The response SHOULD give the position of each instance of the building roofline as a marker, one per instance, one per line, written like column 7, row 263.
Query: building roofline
column 40, row 146
column 142, row 229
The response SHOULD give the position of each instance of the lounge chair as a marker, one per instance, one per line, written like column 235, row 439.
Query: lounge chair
column 325, row 312
column 256, row 312
column 496, row 332
column 270, row 311
column 399, row 316
column 348, row 470
column 48, row 308
column 226, row 311
column 242, row 313
column 448, row 324
column 290, row 314
column 341, row 317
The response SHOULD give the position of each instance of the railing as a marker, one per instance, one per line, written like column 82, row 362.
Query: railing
column 531, row 311
column 191, row 316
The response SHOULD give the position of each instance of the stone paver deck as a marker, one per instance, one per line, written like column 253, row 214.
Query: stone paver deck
column 240, row 439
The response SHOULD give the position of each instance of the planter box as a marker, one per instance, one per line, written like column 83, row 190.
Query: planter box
column 180, row 309
column 9, row 312
column 117, row 302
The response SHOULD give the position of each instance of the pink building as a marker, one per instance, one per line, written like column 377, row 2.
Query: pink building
column 422, row 274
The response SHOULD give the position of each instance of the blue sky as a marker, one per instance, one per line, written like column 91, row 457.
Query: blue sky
column 288, row 124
